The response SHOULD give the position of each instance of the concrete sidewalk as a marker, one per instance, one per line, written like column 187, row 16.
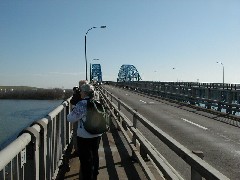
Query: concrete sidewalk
column 115, row 160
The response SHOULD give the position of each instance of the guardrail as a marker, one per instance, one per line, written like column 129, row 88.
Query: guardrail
column 39, row 151
column 209, row 96
column 143, row 150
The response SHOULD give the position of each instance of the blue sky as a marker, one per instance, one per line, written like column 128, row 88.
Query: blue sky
column 42, row 42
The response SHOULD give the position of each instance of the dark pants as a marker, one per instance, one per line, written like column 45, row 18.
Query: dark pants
column 88, row 156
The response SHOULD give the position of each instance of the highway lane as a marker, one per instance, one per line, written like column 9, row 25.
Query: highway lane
column 196, row 130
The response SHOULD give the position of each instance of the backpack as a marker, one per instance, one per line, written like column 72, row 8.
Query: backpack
column 97, row 120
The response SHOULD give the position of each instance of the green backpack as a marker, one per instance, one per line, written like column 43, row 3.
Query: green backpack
column 97, row 120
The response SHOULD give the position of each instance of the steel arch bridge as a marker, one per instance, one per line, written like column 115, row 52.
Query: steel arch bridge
column 96, row 73
column 128, row 73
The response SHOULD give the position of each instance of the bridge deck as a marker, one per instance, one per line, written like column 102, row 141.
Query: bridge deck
column 115, row 160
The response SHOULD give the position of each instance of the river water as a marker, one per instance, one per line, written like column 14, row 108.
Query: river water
column 15, row 115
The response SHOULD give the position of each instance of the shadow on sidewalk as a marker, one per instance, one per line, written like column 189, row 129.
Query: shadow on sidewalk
column 115, row 160
column 119, row 164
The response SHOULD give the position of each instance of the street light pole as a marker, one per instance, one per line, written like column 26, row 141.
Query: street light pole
column 86, row 45
column 223, row 71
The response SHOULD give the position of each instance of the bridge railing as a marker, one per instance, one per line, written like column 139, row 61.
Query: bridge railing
column 143, row 150
column 39, row 150
column 213, row 97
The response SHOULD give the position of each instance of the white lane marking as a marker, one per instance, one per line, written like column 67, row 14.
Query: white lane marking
column 194, row 124
column 151, row 102
column 142, row 101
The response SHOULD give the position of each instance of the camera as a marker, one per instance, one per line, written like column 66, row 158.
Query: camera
column 76, row 96
column 76, row 90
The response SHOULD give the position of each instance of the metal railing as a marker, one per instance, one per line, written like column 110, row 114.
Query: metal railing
column 39, row 150
column 143, row 150
column 208, row 97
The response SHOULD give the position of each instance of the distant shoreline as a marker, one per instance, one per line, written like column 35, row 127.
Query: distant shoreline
column 25, row 92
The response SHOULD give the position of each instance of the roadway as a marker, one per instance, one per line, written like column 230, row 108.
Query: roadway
column 196, row 130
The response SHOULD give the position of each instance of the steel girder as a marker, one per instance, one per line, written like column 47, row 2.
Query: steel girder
column 128, row 73
column 96, row 73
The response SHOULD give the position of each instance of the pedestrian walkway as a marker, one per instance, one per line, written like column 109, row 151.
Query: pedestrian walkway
column 115, row 160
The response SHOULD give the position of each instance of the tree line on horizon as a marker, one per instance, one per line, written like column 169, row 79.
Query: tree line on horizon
column 35, row 93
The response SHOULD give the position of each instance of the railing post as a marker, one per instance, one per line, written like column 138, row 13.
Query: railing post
column 193, row 96
column 68, row 124
column 143, row 153
column 43, row 148
column 230, row 101
column 31, row 169
column 135, row 126
column 194, row 174
column 118, row 115
column 209, row 98
column 111, row 97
